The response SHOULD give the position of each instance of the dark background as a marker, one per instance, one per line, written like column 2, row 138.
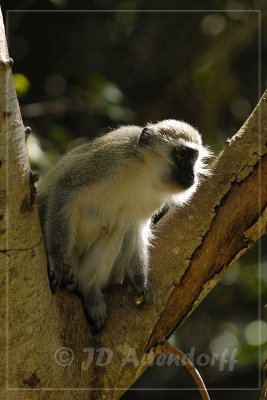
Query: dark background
column 79, row 73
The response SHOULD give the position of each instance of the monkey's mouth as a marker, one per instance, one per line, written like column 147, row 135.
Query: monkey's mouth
column 186, row 184
column 184, row 178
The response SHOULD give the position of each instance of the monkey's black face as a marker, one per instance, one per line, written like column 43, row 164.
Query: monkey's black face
column 184, row 160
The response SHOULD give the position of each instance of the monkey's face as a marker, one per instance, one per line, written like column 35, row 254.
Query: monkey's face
column 177, row 154
column 183, row 170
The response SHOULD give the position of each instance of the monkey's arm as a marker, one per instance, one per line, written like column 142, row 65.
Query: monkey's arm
column 138, row 270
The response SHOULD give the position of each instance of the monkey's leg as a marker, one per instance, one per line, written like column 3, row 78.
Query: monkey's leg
column 95, row 309
column 93, row 275
column 57, row 243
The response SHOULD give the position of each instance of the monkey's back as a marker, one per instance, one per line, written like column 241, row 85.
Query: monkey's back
column 93, row 161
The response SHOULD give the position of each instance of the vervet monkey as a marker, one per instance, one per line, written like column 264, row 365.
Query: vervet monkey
column 97, row 202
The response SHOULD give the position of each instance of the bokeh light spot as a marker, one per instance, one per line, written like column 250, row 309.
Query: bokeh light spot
column 22, row 84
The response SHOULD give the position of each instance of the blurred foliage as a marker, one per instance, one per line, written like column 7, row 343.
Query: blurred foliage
column 22, row 84
column 79, row 73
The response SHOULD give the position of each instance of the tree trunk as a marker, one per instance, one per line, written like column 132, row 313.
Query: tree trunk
column 46, row 342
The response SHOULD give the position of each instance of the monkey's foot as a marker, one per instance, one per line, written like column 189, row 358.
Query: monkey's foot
column 97, row 319
column 96, row 329
column 96, row 311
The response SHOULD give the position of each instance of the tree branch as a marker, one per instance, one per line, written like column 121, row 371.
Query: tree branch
column 167, row 348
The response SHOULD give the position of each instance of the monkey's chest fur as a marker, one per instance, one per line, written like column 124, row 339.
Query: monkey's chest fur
column 96, row 246
column 102, row 245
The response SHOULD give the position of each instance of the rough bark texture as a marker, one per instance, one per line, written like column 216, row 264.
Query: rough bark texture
column 195, row 246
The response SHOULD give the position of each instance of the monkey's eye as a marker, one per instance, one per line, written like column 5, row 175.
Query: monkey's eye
column 180, row 152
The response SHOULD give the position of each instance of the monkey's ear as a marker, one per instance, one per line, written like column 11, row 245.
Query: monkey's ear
column 145, row 137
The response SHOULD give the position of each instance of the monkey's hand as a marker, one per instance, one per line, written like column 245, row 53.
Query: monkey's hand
column 61, row 278
column 54, row 282
column 145, row 296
